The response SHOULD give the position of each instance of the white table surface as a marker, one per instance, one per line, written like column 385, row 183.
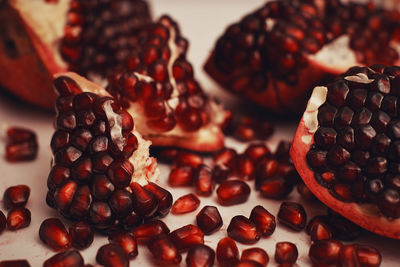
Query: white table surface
column 201, row 22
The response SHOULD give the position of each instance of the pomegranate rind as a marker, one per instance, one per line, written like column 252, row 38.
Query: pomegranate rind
column 368, row 216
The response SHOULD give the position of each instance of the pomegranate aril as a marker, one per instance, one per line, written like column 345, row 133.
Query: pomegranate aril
column 343, row 229
column 181, row 176
column 145, row 204
column 203, row 180
column 163, row 250
column 305, row 192
column 209, row 219
column 200, row 256
column 274, row 187
column 82, row 234
column 121, row 203
column 225, row 156
column 126, row 240
column 187, row 236
column 16, row 196
column 320, row 231
column 18, row 218
column 100, row 215
column 164, row 198
column 244, row 167
column 227, row 251
column 368, row 256
column 256, row 151
column 144, row 232
column 256, row 255
column 264, row 221
column 348, row 256
column 120, row 173
column 70, row 258
column 53, row 233
column 243, row 230
column 184, row 158
column 286, row 252
column 221, row 173
column 3, row 222
column 185, row 204
column 292, row 215
column 232, row 192
column 132, row 221
column 325, row 252
column 111, row 255
column 21, row 144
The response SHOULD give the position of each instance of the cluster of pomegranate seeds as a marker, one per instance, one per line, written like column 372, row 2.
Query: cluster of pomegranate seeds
column 356, row 143
column 21, row 144
column 185, row 204
column 67, row 258
column 200, row 256
column 249, row 128
column 53, row 233
column 14, row 200
column 209, row 220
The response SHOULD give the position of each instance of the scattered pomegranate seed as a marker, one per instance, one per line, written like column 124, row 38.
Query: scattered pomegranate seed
column 227, row 251
column 233, row 192
column 3, row 222
column 264, row 221
column 16, row 196
column 286, row 252
column 52, row 232
column 126, row 240
column 200, row 256
column 21, row 145
column 221, row 173
column 185, row 204
column 187, row 236
column 275, row 188
column 368, row 256
column 293, row 215
column 244, row 167
column 348, row 256
column 209, row 219
column 70, row 258
column 82, row 234
column 164, row 197
column 244, row 133
column 243, row 230
column 225, row 156
column 256, row 151
column 316, row 220
column 320, row 231
column 163, row 250
column 15, row 263
column 184, row 158
column 111, row 255
column 325, row 252
column 132, row 221
column 255, row 254
column 181, row 176
column 18, row 218
column 145, row 204
column 146, row 231
column 203, row 180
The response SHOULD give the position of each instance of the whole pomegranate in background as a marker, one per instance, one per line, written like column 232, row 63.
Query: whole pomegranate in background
column 277, row 54
column 347, row 147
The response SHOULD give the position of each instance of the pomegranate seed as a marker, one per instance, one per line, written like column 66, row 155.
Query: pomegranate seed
column 188, row 159
column 163, row 250
column 3, row 222
column 203, row 180
column 132, row 221
column 187, row 236
column 126, row 240
column 52, row 232
column 209, row 219
column 21, row 145
column 16, row 196
column 220, row 173
column 343, row 229
column 146, row 231
column 244, row 133
column 292, row 215
column 255, row 254
column 305, row 192
column 316, row 220
column 368, row 256
column 243, row 230
column 348, row 256
column 164, row 198
column 71, row 258
column 286, row 252
column 167, row 155
column 256, row 151
column 233, row 192
column 320, row 231
column 181, row 176
column 145, row 204
column 200, row 256
column 18, row 218
column 275, row 187
column 111, row 255
column 247, row 263
column 227, row 251
column 264, row 221
column 185, row 204
column 82, row 234
column 325, row 252
column 225, row 156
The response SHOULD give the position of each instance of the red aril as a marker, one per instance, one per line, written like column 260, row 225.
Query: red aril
column 227, row 251
column 53, row 233
column 21, row 144
column 256, row 151
column 82, row 234
column 320, row 231
column 18, row 218
column 16, row 196
column 145, row 204
column 163, row 250
column 286, row 252
column 264, row 221
column 200, row 256
column 225, row 156
column 348, row 256
column 209, row 220
column 126, row 240
column 292, row 215
column 111, row 255
column 186, row 236
column 325, row 252
column 255, row 254
column 132, row 221
column 368, row 256
column 232, row 192
column 203, row 180
column 243, row 230
column 185, row 204
column 163, row 196
column 181, row 176
column 187, row 158
column 149, row 229
column 67, row 258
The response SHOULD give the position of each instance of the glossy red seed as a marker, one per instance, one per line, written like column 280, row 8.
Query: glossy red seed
column 305, row 192
column 185, row 204
column 225, row 156
column 243, row 230
column 18, row 218
column 120, row 173
column 126, row 240
column 320, row 231
column 82, row 234
column 163, row 250
column 227, row 250
column 3, row 222
column 368, row 256
column 286, row 252
column 145, row 204
column 348, row 256
column 112, row 255
column 21, row 144
column 325, row 252
column 209, row 219
column 132, row 221
column 256, row 254
column 292, row 215
column 203, row 180
column 233, row 192
column 52, row 232
column 147, row 230
column 184, row 158
column 164, row 198
column 187, row 236
column 316, row 220
column 264, row 221
column 71, row 258
column 244, row 133
column 16, row 196
column 221, row 173
column 200, row 256
column 181, row 176
column 275, row 187
column 256, row 151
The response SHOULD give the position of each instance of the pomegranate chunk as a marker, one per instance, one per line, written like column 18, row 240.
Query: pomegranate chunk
column 15, row 263
column 232, row 192
column 200, row 256
column 187, row 236
column 21, row 145
column 227, row 251
column 209, row 220
column 243, row 230
column 52, row 232
column 67, row 258
column 18, row 218
column 126, row 240
column 286, row 252
column 264, row 221
column 147, row 230
column 82, row 234
column 185, row 204
column 325, row 252
column 16, row 196
column 256, row 255
column 163, row 250
column 293, row 215
column 111, row 255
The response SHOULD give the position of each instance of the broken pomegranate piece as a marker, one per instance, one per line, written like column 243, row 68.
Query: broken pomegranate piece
column 276, row 54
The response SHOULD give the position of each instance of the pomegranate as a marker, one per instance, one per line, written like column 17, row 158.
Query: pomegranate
column 286, row 252
column 186, row 236
column 345, row 147
column 144, row 62
column 163, row 250
column 16, row 196
column 67, row 258
column 53, row 233
column 126, row 240
column 200, row 256
column 144, row 232
column 112, row 255
column 21, row 144
column 82, row 234
column 243, row 230
column 18, row 218
column 274, row 55
column 185, row 204
column 255, row 254
column 292, row 215
column 209, row 219
column 264, row 221
column 227, row 251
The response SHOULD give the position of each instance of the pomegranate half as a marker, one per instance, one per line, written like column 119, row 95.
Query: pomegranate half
column 346, row 147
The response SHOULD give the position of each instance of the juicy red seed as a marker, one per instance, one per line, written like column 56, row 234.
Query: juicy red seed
column 71, row 258
column 164, row 251
column 53, row 233
column 203, row 180
column 111, row 255
column 188, row 159
column 264, row 221
column 209, row 219
column 200, row 256
column 320, row 231
column 181, row 176
column 293, row 215
column 120, row 173
column 247, row 263
column 126, row 240
column 132, row 221
column 18, row 218
column 100, row 215
column 185, row 204
column 275, row 187
column 16, row 134
column 256, row 151
column 23, row 151
column 325, row 252
column 348, row 256
column 226, row 156
column 164, row 198
column 220, row 173
column 3, row 222
column 82, row 234
column 286, row 252
column 147, row 230
column 244, row 167
column 233, row 192
column 305, row 192
column 145, row 204
column 368, row 256
column 243, row 230
column 120, row 203
column 256, row 255
column 316, row 220
column 167, row 155
column 16, row 196
column 187, row 236
column 227, row 250
column 14, row 263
